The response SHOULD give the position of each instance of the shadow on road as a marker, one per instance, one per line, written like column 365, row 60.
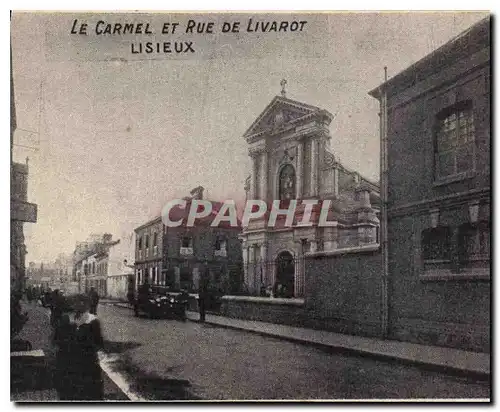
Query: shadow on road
column 119, row 347
column 154, row 387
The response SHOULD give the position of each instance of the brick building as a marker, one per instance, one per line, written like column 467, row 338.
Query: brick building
column 202, row 250
column 436, row 117
column 177, row 257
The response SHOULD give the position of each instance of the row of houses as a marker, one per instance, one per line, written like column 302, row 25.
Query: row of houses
column 104, row 263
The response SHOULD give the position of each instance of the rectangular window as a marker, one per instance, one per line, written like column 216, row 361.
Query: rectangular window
column 155, row 244
column 187, row 241
column 220, row 246
column 455, row 140
column 474, row 244
column 436, row 244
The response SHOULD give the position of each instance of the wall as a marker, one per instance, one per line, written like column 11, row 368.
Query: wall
column 264, row 311
column 447, row 312
column 117, row 287
column 343, row 292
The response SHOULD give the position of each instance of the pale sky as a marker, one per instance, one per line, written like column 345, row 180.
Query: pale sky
column 117, row 134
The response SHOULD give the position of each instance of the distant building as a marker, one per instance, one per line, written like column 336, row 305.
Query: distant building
column 21, row 211
column 438, row 148
column 90, row 263
column 120, row 275
column 149, row 252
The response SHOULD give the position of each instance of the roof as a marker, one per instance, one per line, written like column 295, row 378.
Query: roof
column 149, row 223
column 301, row 109
column 468, row 42
column 177, row 213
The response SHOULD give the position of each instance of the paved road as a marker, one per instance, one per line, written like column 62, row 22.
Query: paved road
column 168, row 359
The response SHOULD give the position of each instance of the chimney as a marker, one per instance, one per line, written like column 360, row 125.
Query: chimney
column 197, row 193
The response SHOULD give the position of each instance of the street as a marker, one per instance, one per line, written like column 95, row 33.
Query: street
column 169, row 359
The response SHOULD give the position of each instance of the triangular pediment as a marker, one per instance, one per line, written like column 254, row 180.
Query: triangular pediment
column 278, row 113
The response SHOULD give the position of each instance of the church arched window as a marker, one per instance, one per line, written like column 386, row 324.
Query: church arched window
column 287, row 183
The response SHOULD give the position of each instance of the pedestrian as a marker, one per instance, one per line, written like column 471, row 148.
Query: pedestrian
column 94, row 301
column 29, row 294
column 203, row 296
column 56, row 307
column 78, row 338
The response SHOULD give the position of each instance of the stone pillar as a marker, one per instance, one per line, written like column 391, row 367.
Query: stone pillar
column 336, row 181
column 314, row 246
column 177, row 283
column 299, row 272
column 300, row 170
column 253, row 184
column 263, row 175
column 251, row 268
column 330, row 234
column 263, row 260
column 314, row 167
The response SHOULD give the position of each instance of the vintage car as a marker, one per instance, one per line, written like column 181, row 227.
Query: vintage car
column 158, row 302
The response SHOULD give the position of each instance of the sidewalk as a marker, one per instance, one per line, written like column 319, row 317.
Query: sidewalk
column 472, row 364
column 31, row 376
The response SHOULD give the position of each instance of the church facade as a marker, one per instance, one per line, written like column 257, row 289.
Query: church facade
column 289, row 146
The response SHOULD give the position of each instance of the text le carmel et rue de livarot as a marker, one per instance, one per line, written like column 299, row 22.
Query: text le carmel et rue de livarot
column 192, row 27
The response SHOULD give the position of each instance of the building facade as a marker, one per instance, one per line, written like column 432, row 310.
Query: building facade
column 179, row 256
column 90, row 263
column 289, row 146
column 436, row 118
column 120, row 275
column 149, row 252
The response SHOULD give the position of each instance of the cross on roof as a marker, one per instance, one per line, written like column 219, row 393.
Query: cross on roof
column 283, row 84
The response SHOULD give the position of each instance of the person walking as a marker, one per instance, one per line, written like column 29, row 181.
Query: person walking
column 77, row 338
column 94, row 301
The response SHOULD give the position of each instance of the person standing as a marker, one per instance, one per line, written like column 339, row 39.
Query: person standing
column 78, row 338
column 56, row 307
column 94, row 301
column 203, row 294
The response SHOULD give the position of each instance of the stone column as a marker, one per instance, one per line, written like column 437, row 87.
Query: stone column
column 330, row 238
column 253, row 187
column 314, row 167
column 314, row 246
column 251, row 268
column 300, row 169
column 263, row 175
column 299, row 272
column 263, row 260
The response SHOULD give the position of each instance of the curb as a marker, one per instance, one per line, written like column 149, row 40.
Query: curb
column 471, row 374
